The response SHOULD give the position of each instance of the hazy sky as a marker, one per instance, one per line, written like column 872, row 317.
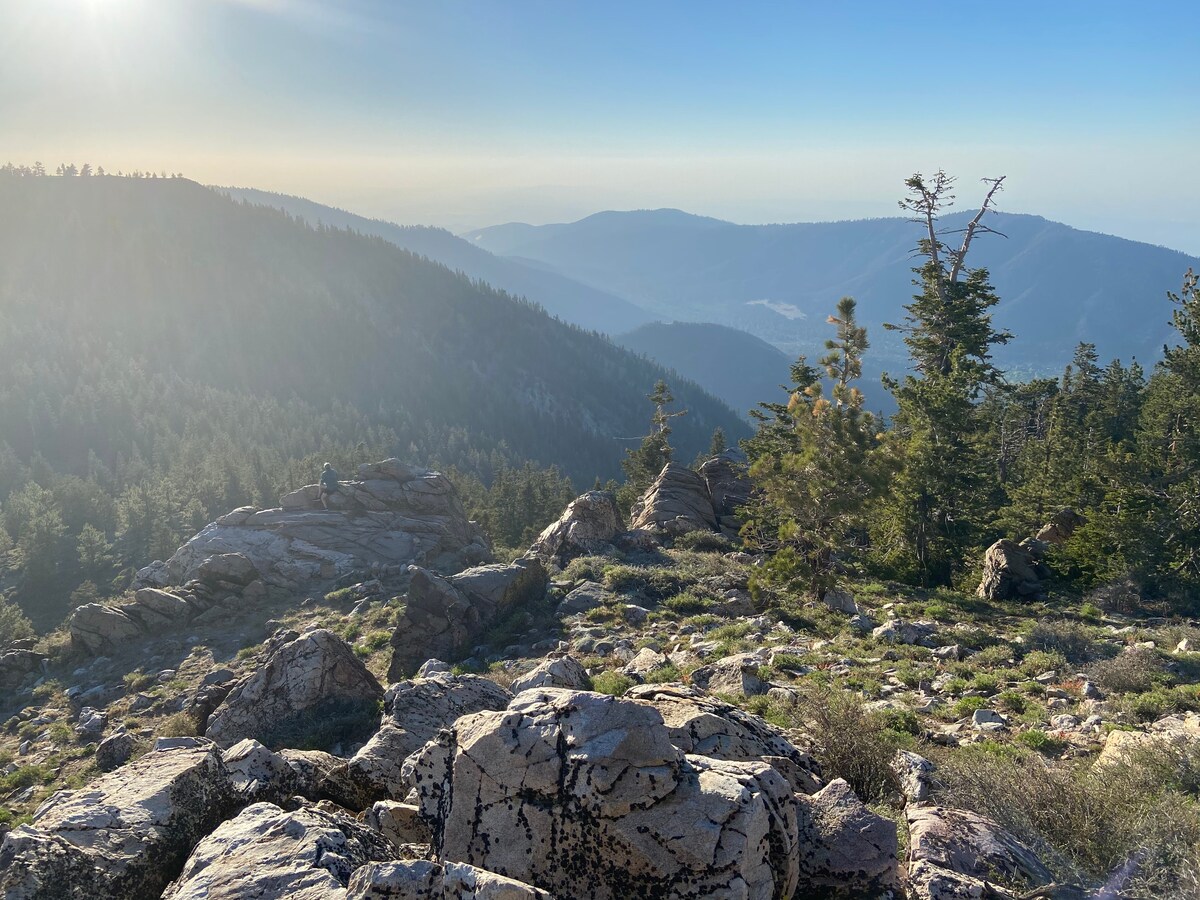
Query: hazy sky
column 461, row 113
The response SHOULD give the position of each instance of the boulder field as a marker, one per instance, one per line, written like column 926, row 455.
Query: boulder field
column 467, row 790
column 311, row 778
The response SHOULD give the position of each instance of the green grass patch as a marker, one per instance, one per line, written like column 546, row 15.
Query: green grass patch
column 612, row 682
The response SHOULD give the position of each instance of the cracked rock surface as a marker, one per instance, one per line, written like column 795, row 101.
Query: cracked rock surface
column 583, row 794
column 269, row 853
column 424, row 880
column 969, row 844
column 302, row 673
column 124, row 835
column 414, row 712
column 705, row 726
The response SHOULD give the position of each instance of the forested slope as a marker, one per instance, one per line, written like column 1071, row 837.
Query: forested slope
column 167, row 353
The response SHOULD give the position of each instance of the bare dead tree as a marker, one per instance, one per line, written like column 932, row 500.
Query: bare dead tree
column 926, row 200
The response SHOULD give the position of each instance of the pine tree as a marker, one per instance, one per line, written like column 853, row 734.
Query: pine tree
column 816, row 466
column 718, row 444
column 643, row 464
column 843, row 362
column 940, row 502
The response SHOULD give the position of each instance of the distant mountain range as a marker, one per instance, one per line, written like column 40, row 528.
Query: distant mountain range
column 1058, row 285
column 569, row 300
column 745, row 290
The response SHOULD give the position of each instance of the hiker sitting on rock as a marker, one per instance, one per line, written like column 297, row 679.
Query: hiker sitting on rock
column 329, row 485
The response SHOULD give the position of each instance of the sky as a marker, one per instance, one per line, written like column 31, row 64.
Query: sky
column 465, row 113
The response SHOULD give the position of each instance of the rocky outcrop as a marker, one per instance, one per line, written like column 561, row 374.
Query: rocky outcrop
column 392, row 516
column 126, row 834
column 583, row 794
column 1060, row 528
column 584, row 598
column 677, row 502
column 590, row 525
column 323, row 776
column 400, row 823
column 1175, row 732
column 115, row 750
column 16, row 664
column 704, row 726
column 736, row 676
column 1013, row 571
column 97, row 628
column 446, row 617
column 915, row 775
column 563, row 672
column 268, row 853
column 902, row 631
column 728, row 488
column 258, row 774
column 424, row 880
column 845, row 847
column 305, row 678
column 414, row 712
column 962, row 842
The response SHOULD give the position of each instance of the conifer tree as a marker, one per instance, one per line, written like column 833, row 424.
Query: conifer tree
column 643, row 464
column 939, row 504
column 815, row 465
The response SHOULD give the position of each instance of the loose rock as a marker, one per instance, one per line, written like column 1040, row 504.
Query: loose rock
column 305, row 679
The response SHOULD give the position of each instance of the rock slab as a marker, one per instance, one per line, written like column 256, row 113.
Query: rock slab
column 583, row 794
column 392, row 515
column 414, row 712
column 126, row 834
column 446, row 617
column 304, row 673
column 269, row 853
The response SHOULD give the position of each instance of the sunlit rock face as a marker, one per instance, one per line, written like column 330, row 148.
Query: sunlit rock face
column 391, row 515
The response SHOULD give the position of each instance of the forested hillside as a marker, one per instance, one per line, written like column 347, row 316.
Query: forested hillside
column 569, row 300
column 737, row 367
column 167, row 354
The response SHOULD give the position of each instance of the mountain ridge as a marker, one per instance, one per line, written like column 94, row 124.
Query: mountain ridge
column 560, row 296
column 1057, row 284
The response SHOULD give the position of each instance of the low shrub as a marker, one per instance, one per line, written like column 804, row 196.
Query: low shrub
column 182, row 724
column 137, row 680
column 1136, row 670
column 663, row 674
column 1122, row 596
column 993, row 656
column 1035, row 662
column 1011, row 701
column 703, row 542
column 653, row 582
column 1038, row 740
column 1069, row 639
column 967, row 705
column 849, row 741
column 1137, row 824
column 587, row 568
column 985, row 682
column 686, row 604
column 612, row 682
column 26, row 776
